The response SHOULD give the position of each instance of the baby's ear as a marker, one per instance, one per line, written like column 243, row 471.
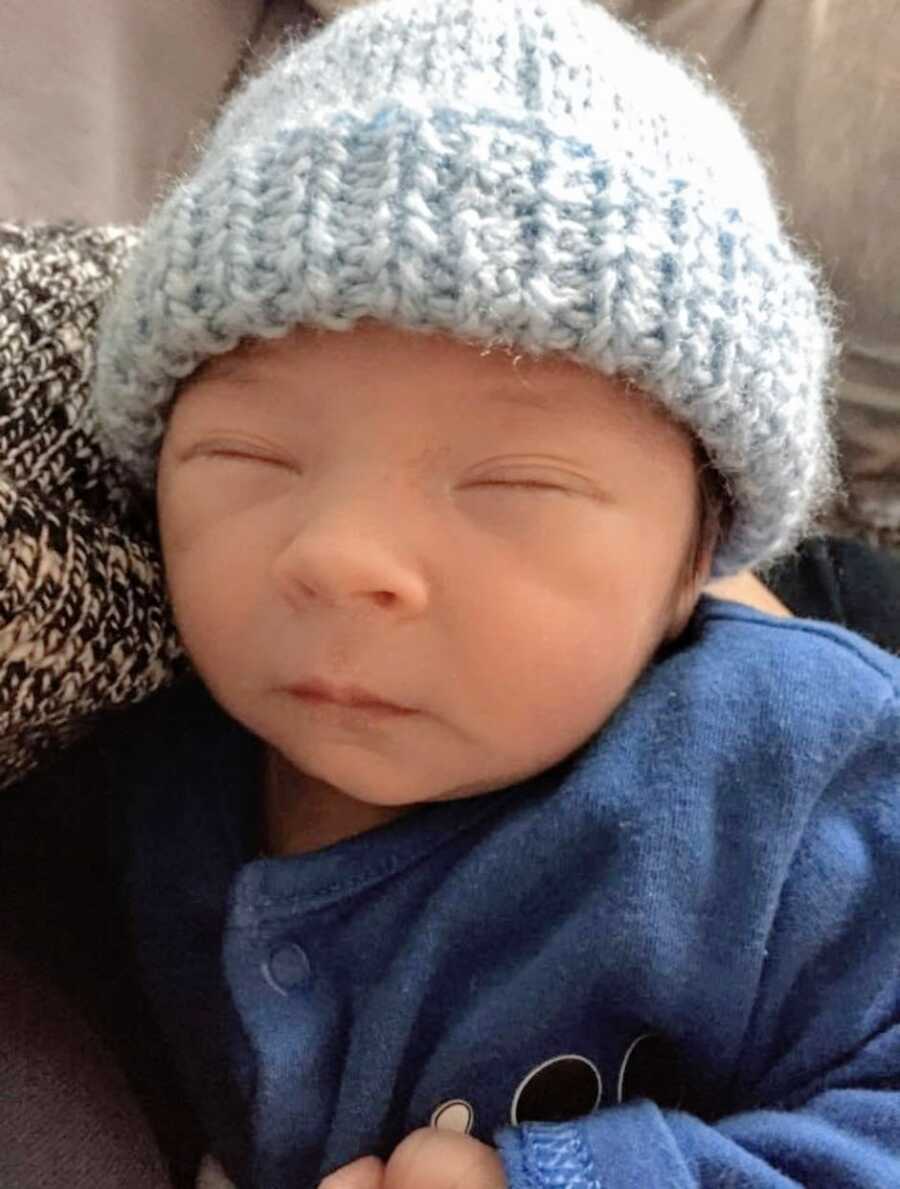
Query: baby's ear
column 682, row 614
column 692, row 586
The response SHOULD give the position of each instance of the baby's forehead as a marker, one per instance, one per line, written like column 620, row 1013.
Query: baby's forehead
column 235, row 363
column 373, row 363
column 434, row 356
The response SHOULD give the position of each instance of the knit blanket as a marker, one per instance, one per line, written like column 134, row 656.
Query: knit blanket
column 84, row 622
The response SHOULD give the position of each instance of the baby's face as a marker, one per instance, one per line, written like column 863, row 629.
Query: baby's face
column 390, row 510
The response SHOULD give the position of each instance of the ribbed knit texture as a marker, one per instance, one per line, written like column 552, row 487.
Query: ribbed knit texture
column 517, row 172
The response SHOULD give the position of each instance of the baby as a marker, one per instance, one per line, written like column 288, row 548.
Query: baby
column 471, row 349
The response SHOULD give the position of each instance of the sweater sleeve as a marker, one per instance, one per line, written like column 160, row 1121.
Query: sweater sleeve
column 84, row 619
column 814, row 1100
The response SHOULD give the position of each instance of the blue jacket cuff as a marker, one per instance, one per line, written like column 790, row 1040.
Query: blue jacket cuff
column 622, row 1147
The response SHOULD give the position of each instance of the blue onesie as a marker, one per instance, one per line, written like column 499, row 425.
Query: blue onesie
column 673, row 960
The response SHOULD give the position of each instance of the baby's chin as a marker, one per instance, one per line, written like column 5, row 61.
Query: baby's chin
column 301, row 785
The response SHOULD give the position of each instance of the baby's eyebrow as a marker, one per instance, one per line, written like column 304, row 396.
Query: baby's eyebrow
column 239, row 368
column 527, row 397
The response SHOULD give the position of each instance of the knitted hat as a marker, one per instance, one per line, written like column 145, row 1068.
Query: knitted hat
column 528, row 173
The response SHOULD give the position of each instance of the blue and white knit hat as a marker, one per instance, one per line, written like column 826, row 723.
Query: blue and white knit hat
column 530, row 173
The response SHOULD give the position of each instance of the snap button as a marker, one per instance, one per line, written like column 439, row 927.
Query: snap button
column 287, row 967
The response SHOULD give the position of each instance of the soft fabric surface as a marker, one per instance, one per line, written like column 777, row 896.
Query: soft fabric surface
column 83, row 617
column 66, row 1103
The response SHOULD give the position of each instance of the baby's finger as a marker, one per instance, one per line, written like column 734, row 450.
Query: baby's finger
column 365, row 1173
column 433, row 1159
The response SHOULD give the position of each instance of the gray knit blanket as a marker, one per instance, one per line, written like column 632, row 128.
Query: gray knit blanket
column 84, row 622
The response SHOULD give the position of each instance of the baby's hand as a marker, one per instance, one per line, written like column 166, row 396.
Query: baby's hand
column 365, row 1173
column 426, row 1159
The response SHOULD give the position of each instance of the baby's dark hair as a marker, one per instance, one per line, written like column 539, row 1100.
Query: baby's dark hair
column 716, row 508
column 716, row 511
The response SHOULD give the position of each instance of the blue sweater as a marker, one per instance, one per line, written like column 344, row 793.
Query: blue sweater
column 670, row 962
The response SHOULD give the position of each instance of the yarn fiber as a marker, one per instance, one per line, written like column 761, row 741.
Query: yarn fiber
column 523, row 173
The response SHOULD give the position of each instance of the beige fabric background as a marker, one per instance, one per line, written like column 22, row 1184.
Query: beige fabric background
column 101, row 100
